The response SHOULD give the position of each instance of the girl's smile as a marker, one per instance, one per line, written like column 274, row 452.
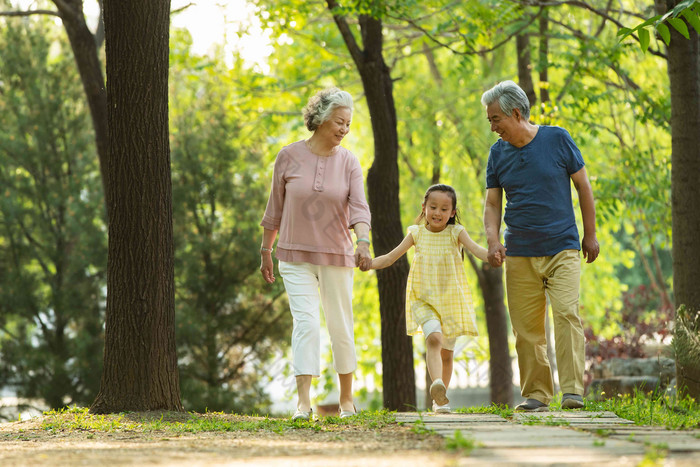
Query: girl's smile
column 438, row 210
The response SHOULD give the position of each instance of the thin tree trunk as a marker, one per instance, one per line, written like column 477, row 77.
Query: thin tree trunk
column 85, row 51
column 522, row 42
column 544, row 58
column 500, row 364
column 398, row 376
column 140, row 361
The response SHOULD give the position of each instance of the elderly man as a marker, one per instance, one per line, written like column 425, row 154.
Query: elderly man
column 533, row 165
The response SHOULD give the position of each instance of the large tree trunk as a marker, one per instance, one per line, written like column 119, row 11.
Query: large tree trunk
column 684, row 76
column 140, row 362
column 398, row 377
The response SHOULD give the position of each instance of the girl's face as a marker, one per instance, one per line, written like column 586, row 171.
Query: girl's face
column 438, row 210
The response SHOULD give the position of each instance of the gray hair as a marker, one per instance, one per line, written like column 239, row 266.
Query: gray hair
column 509, row 96
column 322, row 105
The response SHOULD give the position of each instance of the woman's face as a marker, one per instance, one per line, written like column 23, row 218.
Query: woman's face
column 336, row 127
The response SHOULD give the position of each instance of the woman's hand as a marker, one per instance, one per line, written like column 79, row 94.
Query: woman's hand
column 363, row 259
column 267, row 268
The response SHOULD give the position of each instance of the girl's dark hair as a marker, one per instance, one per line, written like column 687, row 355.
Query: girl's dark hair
column 445, row 189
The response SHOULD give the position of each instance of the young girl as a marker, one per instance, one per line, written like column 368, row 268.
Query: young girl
column 438, row 299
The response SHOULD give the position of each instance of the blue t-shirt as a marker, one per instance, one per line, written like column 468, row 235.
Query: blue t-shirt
column 536, row 179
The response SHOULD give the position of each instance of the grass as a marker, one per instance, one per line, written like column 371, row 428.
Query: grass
column 459, row 443
column 495, row 409
column 659, row 410
column 78, row 419
column 651, row 410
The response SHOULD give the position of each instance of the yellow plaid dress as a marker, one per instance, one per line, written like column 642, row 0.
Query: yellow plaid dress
column 437, row 286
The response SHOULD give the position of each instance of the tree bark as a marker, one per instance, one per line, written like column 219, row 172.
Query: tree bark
column 140, row 361
column 684, row 77
column 85, row 51
column 398, row 377
column 522, row 42
column 543, row 55
column 500, row 363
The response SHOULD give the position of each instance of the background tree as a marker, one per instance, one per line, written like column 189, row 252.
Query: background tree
column 140, row 360
column 52, row 244
column 684, row 75
column 230, row 325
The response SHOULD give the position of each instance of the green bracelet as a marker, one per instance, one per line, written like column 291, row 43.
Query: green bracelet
column 362, row 240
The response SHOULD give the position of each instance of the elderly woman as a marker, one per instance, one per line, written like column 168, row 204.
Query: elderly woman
column 317, row 196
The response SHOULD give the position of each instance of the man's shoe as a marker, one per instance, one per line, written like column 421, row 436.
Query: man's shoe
column 571, row 401
column 441, row 408
column 303, row 415
column 438, row 392
column 532, row 405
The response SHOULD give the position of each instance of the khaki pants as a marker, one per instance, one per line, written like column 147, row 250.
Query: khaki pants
column 528, row 279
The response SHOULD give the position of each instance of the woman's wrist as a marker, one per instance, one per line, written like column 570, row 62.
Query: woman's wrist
column 264, row 250
column 362, row 240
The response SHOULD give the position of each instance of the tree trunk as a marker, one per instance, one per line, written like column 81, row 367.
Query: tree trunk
column 684, row 77
column 543, row 55
column 500, row 364
column 140, row 361
column 85, row 52
column 522, row 42
column 398, row 377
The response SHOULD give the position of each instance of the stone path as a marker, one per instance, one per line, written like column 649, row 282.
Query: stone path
column 561, row 439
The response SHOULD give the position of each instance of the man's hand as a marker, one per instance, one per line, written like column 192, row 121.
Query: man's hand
column 497, row 254
column 590, row 248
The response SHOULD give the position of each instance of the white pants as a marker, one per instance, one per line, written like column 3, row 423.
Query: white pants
column 433, row 325
column 308, row 286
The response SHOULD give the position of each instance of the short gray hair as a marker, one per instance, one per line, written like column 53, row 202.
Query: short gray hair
column 509, row 96
column 322, row 105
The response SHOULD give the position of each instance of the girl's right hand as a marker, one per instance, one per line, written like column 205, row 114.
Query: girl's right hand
column 267, row 267
column 496, row 254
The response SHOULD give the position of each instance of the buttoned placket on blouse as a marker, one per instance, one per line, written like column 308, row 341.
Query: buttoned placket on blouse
column 320, row 170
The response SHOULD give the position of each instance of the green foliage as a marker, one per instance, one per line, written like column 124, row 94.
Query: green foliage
column 687, row 9
column 460, row 443
column 686, row 337
column 52, row 231
column 654, row 409
column 501, row 410
column 230, row 324
column 79, row 419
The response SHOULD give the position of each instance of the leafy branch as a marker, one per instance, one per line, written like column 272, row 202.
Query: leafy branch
column 688, row 9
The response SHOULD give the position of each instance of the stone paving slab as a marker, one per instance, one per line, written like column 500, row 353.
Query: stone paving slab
column 565, row 438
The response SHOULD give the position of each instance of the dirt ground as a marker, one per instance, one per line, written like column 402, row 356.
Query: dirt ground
column 28, row 443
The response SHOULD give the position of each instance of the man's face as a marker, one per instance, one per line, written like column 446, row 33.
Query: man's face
column 505, row 125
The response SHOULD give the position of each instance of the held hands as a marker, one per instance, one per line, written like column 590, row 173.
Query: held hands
column 496, row 254
column 363, row 259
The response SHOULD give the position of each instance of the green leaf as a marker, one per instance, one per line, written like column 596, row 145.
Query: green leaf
column 664, row 32
column 625, row 31
column 644, row 39
column 680, row 26
column 692, row 18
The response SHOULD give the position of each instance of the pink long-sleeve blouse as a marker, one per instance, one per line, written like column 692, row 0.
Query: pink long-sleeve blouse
column 314, row 201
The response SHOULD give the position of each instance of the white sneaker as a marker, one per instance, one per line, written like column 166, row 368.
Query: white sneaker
column 438, row 392
column 302, row 415
column 441, row 408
